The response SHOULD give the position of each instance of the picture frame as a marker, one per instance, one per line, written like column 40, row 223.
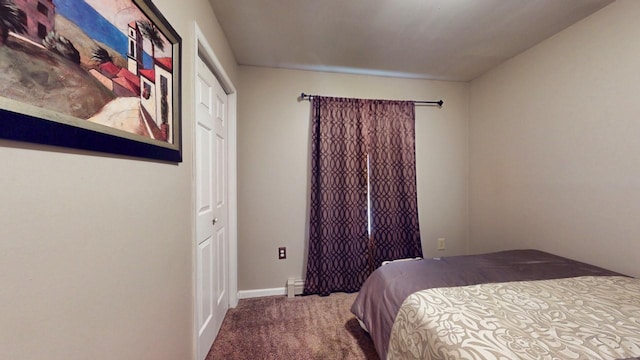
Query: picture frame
column 93, row 75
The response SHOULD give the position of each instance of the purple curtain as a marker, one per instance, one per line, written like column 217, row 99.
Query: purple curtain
column 395, row 233
column 337, row 259
column 345, row 132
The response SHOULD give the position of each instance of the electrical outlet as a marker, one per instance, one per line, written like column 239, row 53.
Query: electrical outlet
column 441, row 244
column 282, row 253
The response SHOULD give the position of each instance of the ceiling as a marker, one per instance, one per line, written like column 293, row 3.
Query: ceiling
column 455, row 40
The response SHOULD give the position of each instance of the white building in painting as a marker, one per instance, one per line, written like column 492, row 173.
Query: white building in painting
column 134, row 48
column 156, row 84
column 156, row 93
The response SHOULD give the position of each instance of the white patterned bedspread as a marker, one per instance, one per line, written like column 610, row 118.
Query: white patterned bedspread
column 591, row 317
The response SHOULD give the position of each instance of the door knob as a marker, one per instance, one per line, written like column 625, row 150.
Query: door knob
column 214, row 221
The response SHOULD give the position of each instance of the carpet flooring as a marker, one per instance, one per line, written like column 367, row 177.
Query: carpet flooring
column 304, row 327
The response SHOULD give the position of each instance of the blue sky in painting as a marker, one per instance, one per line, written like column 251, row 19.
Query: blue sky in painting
column 96, row 26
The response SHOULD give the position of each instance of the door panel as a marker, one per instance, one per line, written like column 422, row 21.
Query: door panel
column 221, row 172
column 205, row 272
column 222, row 266
column 220, row 197
column 212, row 248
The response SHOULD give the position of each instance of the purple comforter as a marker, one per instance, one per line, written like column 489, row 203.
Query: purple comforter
column 386, row 288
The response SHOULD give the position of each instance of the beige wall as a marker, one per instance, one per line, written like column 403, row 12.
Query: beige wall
column 554, row 146
column 96, row 256
column 273, row 165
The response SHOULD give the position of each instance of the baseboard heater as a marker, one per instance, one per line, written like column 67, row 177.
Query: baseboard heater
column 294, row 287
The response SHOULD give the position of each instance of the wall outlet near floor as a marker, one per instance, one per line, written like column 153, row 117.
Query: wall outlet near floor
column 441, row 244
column 282, row 253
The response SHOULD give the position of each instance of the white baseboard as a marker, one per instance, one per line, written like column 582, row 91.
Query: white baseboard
column 248, row 294
column 294, row 287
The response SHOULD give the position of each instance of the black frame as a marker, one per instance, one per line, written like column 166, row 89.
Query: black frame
column 27, row 123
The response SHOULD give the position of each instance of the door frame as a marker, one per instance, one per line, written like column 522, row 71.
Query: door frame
column 205, row 52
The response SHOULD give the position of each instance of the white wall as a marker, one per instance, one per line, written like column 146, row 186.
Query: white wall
column 554, row 146
column 96, row 254
column 273, row 173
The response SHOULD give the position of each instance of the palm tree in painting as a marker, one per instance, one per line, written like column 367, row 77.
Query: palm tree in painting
column 10, row 19
column 150, row 31
column 100, row 55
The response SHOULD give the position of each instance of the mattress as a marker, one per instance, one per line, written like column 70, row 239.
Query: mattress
column 589, row 317
column 382, row 294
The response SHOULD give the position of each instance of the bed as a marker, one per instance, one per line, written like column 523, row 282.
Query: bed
column 419, row 294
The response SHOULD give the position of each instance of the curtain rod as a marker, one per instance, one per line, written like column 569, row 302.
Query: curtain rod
column 439, row 103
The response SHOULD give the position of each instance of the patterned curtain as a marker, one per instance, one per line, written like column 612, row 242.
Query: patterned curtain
column 395, row 233
column 345, row 131
column 337, row 259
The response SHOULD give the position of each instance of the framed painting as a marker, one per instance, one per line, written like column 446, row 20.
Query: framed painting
column 91, row 74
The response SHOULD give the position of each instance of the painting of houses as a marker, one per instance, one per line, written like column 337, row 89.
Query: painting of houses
column 38, row 17
column 110, row 63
